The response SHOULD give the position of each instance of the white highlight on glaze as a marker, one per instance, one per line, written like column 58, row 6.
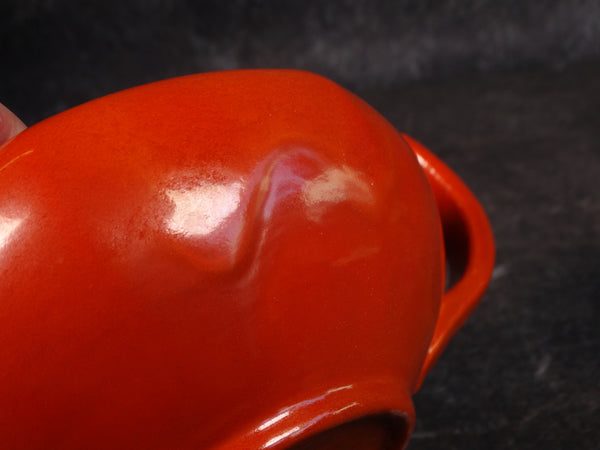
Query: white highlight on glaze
column 297, row 429
column 7, row 228
column 333, row 186
column 290, row 410
column 273, row 420
column 337, row 389
column 318, row 418
column 281, row 437
column 201, row 210
column 15, row 159
column 351, row 405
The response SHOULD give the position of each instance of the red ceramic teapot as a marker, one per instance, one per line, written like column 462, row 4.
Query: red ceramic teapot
column 244, row 259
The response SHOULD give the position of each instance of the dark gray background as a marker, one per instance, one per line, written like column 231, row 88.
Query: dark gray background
column 506, row 92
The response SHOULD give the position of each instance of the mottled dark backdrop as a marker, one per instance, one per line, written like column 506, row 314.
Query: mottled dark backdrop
column 506, row 92
column 56, row 53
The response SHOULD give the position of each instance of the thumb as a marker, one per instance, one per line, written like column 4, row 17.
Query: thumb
column 10, row 125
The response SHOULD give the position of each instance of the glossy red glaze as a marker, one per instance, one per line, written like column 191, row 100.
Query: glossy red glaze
column 240, row 259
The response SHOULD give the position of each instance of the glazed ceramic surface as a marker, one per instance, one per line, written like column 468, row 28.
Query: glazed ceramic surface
column 243, row 259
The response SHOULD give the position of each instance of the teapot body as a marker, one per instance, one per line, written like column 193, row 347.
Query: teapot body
column 242, row 259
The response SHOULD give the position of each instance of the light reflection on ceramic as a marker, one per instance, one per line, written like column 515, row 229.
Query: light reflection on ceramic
column 8, row 226
column 201, row 210
column 335, row 185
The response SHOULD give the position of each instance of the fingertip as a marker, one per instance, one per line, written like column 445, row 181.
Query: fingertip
column 10, row 124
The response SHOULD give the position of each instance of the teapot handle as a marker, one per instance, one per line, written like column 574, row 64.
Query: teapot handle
column 469, row 248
